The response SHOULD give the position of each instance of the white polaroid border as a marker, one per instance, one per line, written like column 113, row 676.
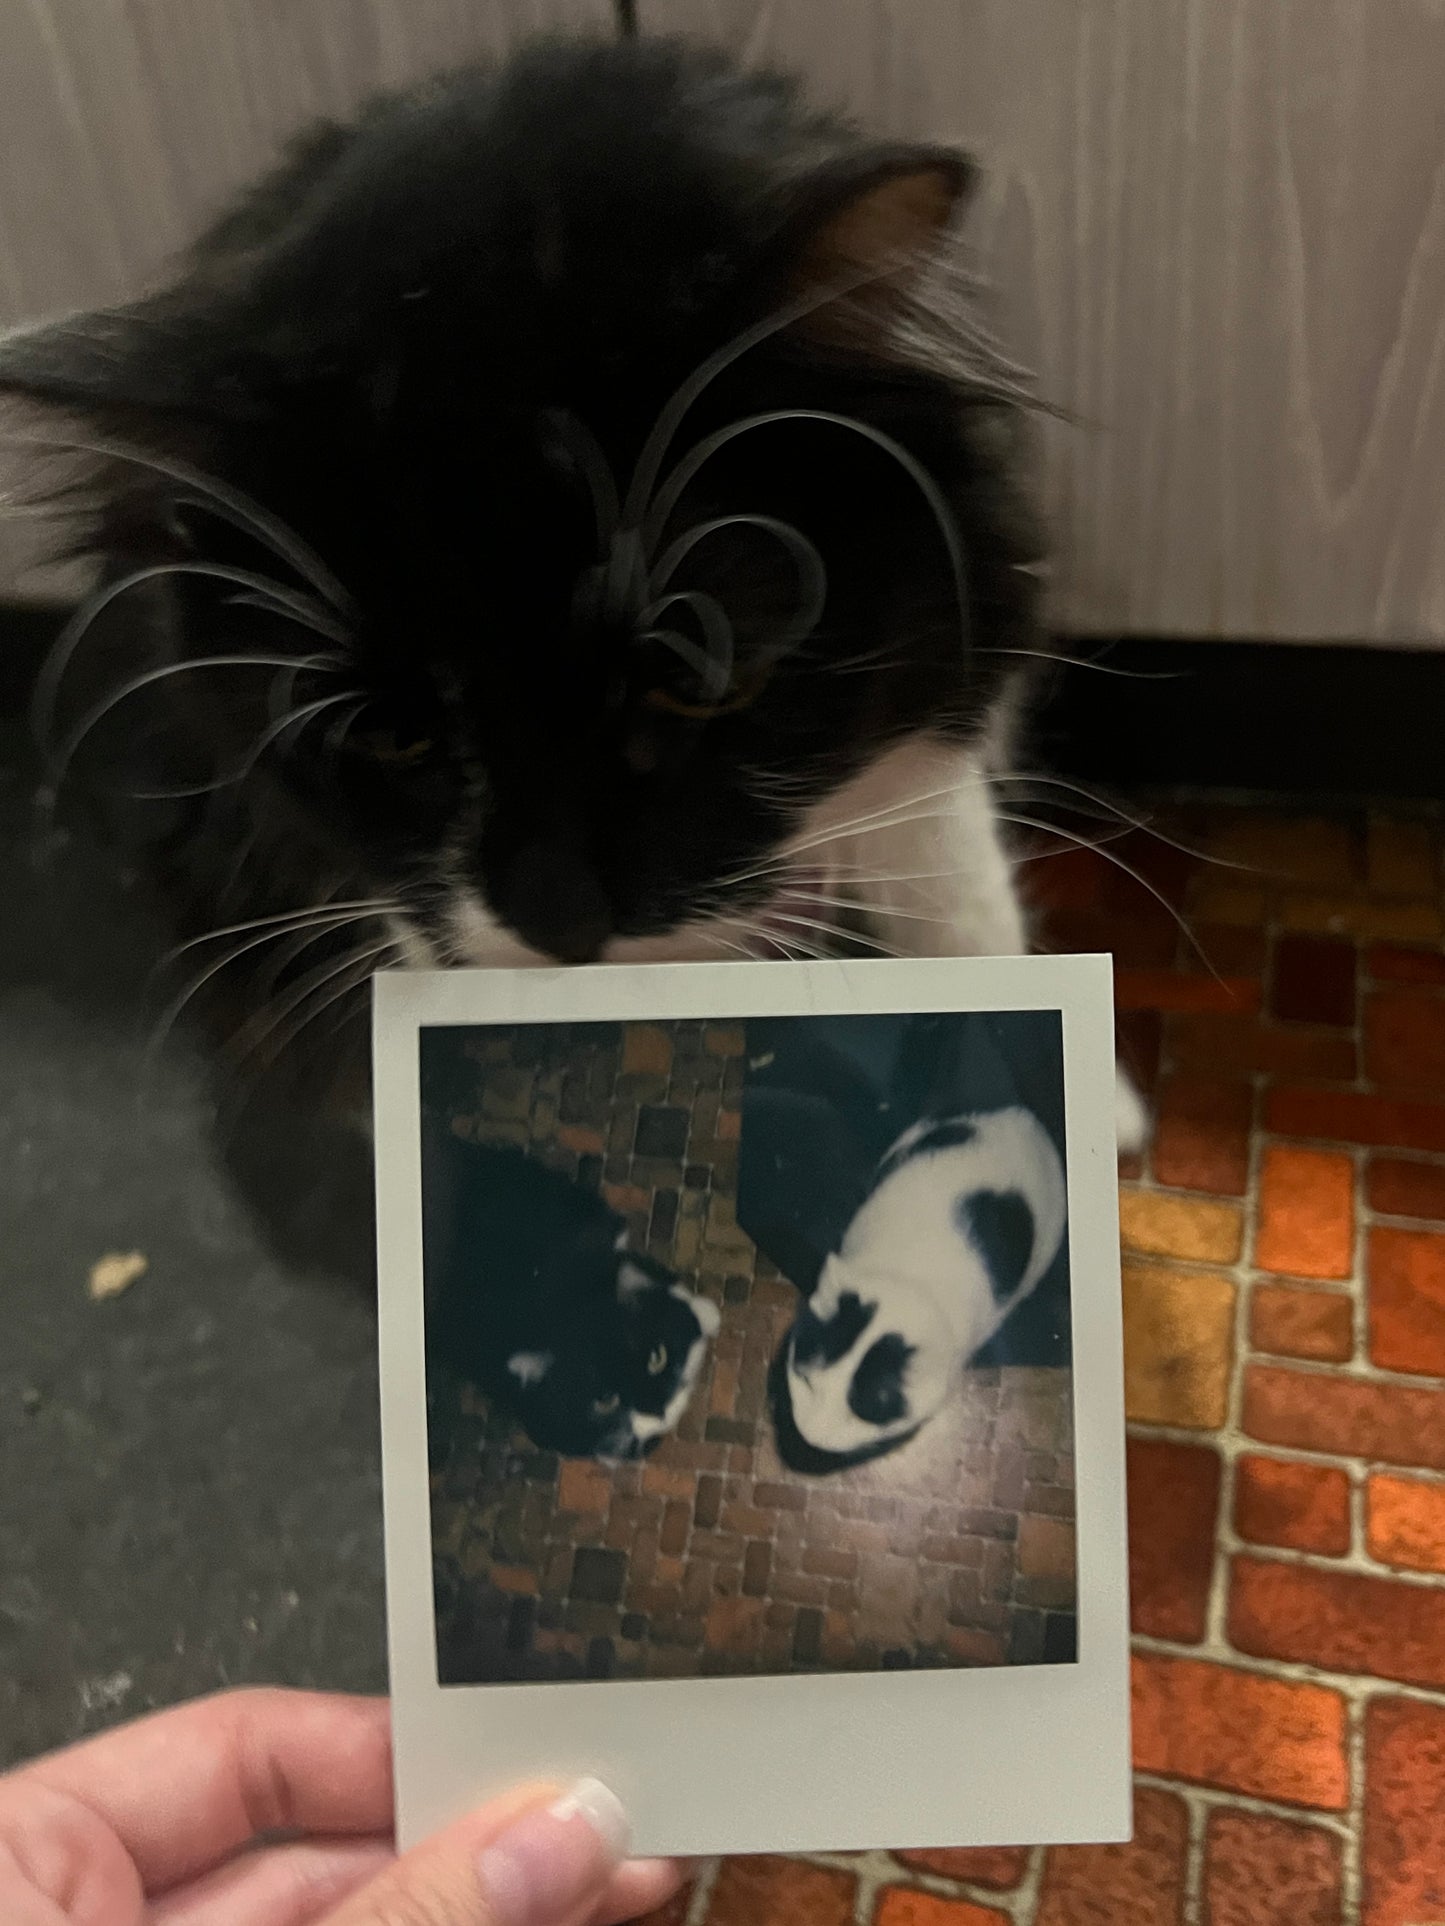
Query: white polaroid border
column 808, row 1762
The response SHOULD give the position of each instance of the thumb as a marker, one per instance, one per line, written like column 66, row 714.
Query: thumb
column 536, row 1858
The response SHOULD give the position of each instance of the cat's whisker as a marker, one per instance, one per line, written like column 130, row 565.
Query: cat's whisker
column 94, row 716
column 287, row 919
column 356, row 969
column 321, row 926
column 832, row 930
column 1084, row 842
column 268, row 605
column 215, row 497
column 670, row 491
column 269, row 737
column 862, row 906
column 52, row 673
column 1141, row 823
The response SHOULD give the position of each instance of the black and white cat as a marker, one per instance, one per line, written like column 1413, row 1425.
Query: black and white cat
column 534, row 1296
column 964, row 1219
column 572, row 513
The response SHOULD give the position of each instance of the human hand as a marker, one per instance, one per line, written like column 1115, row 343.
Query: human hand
column 171, row 1822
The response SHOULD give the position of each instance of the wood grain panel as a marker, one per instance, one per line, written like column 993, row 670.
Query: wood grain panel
column 1218, row 232
column 125, row 124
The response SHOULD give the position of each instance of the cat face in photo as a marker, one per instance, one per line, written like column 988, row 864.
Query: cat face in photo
column 618, row 1369
column 589, row 478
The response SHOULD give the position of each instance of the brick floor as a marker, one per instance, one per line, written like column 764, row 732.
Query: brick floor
column 710, row 1556
column 1287, row 1461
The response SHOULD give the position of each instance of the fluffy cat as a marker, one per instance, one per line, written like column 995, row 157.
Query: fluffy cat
column 535, row 1297
column 572, row 513
column 964, row 1218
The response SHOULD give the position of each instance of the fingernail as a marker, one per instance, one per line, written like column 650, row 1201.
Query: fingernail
column 544, row 1867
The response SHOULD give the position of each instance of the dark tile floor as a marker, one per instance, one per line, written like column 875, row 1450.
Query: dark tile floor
column 190, row 1488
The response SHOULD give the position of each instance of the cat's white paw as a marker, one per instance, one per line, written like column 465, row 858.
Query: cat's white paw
column 1131, row 1119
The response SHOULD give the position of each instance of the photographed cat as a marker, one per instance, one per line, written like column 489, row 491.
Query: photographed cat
column 964, row 1219
column 534, row 1297
column 575, row 512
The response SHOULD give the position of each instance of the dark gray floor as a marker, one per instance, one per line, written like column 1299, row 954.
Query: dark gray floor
column 189, row 1472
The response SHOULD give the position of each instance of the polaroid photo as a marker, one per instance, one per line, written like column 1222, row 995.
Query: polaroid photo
column 752, row 1398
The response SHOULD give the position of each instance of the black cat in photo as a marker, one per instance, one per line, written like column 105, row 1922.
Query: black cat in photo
column 533, row 1296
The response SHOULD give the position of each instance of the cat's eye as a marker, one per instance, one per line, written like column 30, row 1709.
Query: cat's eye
column 658, row 1361
column 604, row 1407
column 398, row 746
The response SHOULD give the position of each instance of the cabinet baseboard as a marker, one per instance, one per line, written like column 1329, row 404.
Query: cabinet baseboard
column 1290, row 718
column 1261, row 716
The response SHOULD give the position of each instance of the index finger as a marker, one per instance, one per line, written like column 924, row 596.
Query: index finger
column 185, row 1789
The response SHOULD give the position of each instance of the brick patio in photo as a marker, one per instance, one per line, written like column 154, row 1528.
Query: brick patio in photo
column 710, row 1556
column 1285, row 1334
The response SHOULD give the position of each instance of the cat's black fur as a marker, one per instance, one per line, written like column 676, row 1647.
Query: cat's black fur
column 533, row 1296
column 411, row 347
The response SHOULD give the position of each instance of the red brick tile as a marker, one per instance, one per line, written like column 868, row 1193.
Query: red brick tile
column 1201, row 1138
column 1358, row 916
column 1178, row 1345
column 1405, row 1040
column 1407, row 1299
column 1405, row 1187
column 1267, row 1872
column 1193, row 1229
column 512, row 1578
column 1306, row 1507
column 1215, row 899
column 906, row 1906
column 1173, row 1506
column 1173, row 990
column 1296, row 849
column 584, row 1141
column 1401, row 858
column 1405, row 1522
column 1270, row 1738
column 1302, row 1324
column 1404, row 1831
column 1225, row 949
column 1313, row 981
column 758, row 1891
column 1136, row 939
column 1393, row 1424
column 1339, row 1621
column 646, row 1048
column 1000, row 1868
column 1141, row 1882
column 1352, row 1117
column 1068, row 879
column 1306, row 1213
column 583, row 1485
column 1389, row 963
column 1243, row 1045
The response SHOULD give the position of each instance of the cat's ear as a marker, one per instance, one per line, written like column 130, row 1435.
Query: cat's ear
column 868, row 226
column 148, row 373
column 530, row 1367
column 632, row 1282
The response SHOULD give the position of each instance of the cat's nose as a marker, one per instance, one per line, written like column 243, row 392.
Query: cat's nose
column 552, row 899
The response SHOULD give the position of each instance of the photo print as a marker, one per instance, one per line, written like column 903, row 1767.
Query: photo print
column 748, row 1345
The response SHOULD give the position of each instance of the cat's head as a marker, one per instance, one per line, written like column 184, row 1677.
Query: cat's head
column 616, row 442
column 870, row 1358
column 617, row 1373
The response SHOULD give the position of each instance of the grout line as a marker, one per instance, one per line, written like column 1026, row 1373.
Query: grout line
column 1221, row 1798
column 1193, row 1897
column 1349, row 1685
column 702, row 1891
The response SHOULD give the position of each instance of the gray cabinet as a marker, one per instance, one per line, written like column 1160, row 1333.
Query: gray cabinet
column 1217, row 228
